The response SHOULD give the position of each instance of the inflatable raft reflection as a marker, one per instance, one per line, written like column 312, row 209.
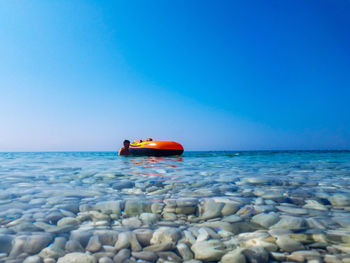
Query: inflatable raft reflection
column 156, row 166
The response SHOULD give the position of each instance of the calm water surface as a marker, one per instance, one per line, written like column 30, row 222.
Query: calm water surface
column 38, row 189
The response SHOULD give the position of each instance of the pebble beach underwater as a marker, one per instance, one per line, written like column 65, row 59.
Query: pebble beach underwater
column 268, row 206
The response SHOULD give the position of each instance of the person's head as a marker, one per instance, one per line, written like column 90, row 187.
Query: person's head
column 126, row 143
column 149, row 139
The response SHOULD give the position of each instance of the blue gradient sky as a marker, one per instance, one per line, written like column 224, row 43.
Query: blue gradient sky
column 213, row 75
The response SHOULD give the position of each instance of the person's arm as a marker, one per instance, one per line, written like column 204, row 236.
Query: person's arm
column 121, row 151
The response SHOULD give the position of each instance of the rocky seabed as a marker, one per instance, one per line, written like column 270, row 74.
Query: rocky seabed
column 246, row 225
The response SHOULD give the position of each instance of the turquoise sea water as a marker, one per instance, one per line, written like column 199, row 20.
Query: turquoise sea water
column 37, row 190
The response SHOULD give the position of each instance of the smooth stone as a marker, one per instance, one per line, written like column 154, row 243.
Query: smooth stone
column 32, row 259
column 55, row 229
column 123, row 241
column 107, row 237
column 292, row 210
column 102, row 254
column 157, row 208
column 73, row 246
column 170, row 203
column 169, row 256
column 18, row 245
column 60, row 242
column 132, row 222
column 232, row 219
column 165, row 235
column 256, row 255
column 259, row 201
column 123, row 184
column 148, row 218
column 258, row 239
column 26, row 227
column 343, row 221
column 185, row 210
column 265, row 220
column 97, row 216
column 210, row 209
column 184, row 251
column 55, row 250
column 263, row 209
column 86, row 207
column 202, row 234
column 145, row 255
column 212, row 233
column 274, row 194
column 109, row 207
column 270, row 202
column 186, row 202
column 313, row 204
column 5, row 243
column 17, row 260
column 314, row 223
column 255, row 180
column 234, row 256
column 126, row 240
column 67, row 221
column 290, row 222
column 288, row 244
column 278, row 256
column 67, row 213
column 136, row 207
column 108, row 248
column 340, row 200
column 189, row 238
column 160, row 247
column 169, row 216
column 343, row 248
column 105, row 260
column 71, row 206
column 134, row 243
column 35, row 243
column 209, row 250
column 53, row 217
column 77, row 258
column 52, row 252
column 94, row 244
column 230, row 208
column 332, row 259
column 219, row 226
column 303, row 255
column 49, row 260
column 81, row 236
column 121, row 256
column 143, row 236
column 246, row 211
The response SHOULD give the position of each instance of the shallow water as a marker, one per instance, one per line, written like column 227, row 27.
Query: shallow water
column 38, row 189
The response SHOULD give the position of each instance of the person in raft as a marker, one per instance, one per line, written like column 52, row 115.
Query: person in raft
column 125, row 149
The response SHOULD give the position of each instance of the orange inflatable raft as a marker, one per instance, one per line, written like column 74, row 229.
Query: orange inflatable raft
column 156, row 148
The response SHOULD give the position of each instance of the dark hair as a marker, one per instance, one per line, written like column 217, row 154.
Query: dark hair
column 126, row 141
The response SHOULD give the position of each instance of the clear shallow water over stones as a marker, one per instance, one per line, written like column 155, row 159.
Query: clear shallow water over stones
column 202, row 207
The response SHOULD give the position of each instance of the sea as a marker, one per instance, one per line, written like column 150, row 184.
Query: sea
column 267, row 206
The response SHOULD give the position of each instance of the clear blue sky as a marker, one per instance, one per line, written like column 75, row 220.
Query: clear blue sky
column 213, row 75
